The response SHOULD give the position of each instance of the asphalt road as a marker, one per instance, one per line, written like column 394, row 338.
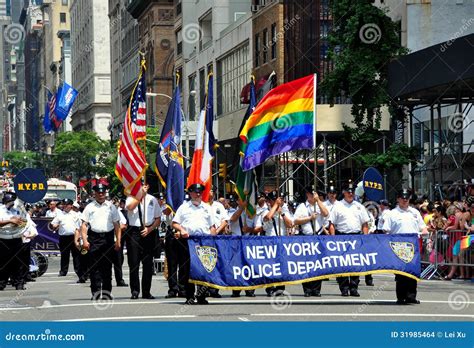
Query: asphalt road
column 53, row 298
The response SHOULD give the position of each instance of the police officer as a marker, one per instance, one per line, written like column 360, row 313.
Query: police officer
column 193, row 218
column 53, row 210
column 274, row 222
column 311, row 216
column 100, row 220
column 404, row 219
column 348, row 217
column 12, row 226
column 67, row 224
column 144, row 216
column 240, row 225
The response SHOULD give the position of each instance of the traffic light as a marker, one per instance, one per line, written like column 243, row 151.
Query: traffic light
column 223, row 170
column 5, row 163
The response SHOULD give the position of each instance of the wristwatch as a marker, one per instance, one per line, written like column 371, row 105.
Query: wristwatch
column 283, row 215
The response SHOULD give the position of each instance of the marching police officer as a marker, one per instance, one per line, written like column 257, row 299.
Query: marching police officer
column 193, row 218
column 68, row 223
column 274, row 222
column 311, row 216
column 240, row 225
column 12, row 226
column 348, row 217
column 404, row 219
column 100, row 221
column 144, row 216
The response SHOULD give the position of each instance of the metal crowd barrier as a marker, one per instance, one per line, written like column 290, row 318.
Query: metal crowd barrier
column 442, row 249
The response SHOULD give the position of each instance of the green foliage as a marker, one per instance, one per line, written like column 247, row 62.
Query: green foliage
column 395, row 156
column 362, row 43
column 82, row 153
column 19, row 160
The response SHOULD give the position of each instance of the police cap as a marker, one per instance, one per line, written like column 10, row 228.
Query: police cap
column 8, row 197
column 196, row 188
column 68, row 201
column 100, row 188
column 404, row 193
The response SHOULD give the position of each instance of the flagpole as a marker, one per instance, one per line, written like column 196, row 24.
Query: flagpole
column 143, row 69
column 314, row 128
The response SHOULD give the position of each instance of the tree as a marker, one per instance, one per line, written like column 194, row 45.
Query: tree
column 364, row 40
column 18, row 160
column 82, row 153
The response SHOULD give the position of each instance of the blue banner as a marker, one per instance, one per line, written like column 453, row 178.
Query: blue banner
column 46, row 240
column 373, row 185
column 250, row 262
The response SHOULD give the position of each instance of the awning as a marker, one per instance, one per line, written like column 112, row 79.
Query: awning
column 442, row 72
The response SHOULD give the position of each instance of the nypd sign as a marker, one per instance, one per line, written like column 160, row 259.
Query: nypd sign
column 30, row 185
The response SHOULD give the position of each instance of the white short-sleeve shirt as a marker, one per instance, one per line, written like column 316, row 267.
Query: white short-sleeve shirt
column 304, row 210
column 197, row 220
column 68, row 223
column 101, row 217
column 153, row 211
column 348, row 217
column 403, row 221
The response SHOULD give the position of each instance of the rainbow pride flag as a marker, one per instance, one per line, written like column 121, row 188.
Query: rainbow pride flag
column 466, row 242
column 284, row 120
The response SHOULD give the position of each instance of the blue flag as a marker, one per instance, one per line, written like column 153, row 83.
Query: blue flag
column 65, row 96
column 48, row 124
column 169, row 157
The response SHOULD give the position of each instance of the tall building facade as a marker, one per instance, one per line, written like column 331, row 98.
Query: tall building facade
column 125, row 61
column 90, row 43
column 156, row 40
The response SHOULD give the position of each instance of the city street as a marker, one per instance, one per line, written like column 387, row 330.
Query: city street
column 51, row 298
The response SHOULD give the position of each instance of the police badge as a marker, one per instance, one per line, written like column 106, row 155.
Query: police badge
column 404, row 250
column 208, row 257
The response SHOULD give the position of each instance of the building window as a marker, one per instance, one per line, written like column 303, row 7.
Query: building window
column 179, row 42
column 192, row 98
column 274, row 41
column 232, row 75
column 205, row 26
column 64, row 2
column 62, row 17
column 178, row 8
column 202, row 87
column 257, row 50
column 265, row 46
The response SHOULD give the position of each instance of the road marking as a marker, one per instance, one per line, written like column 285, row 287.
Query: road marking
column 243, row 319
column 230, row 302
column 133, row 318
column 431, row 315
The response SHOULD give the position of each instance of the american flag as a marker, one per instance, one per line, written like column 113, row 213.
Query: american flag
column 139, row 109
column 52, row 112
column 131, row 162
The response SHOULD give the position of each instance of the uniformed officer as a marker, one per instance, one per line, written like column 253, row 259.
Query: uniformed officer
column 193, row 218
column 240, row 225
column 144, row 216
column 274, row 222
column 404, row 219
column 67, row 224
column 12, row 226
column 348, row 217
column 100, row 220
column 311, row 216
column 53, row 210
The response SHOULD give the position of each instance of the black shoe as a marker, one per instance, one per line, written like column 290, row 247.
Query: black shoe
column 20, row 287
column 134, row 295
column 107, row 297
column 369, row 283
column 2, row 287
column 316, row 294
column 307, row 294
column 80, row 281
column 345, row 293
column 278, row 293
column 401, row 302
column 413, row 301
column 270, row 294
column 235, row 294
column 355, row 293
column 202, row 301
column 122, row 284
column 249, row 294
column 190, row 302
column 148, row 297
column 171, row 295
column 62, row 274
column 182, row 294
